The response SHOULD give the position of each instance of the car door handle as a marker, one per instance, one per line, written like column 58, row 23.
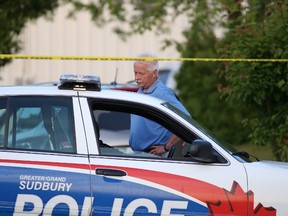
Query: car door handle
column 110, row 172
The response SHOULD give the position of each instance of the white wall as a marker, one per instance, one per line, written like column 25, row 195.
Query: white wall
column 80, row 37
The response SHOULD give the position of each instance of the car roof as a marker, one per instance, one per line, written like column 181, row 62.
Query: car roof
column 123, row 95
column 53, row 90
column 117, row 86
column 34, row 90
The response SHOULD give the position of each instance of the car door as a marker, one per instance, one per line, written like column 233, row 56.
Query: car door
column 43, row 168
column 137, row 183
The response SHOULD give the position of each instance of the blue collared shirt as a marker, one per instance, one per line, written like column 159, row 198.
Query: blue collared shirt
column 143, row 132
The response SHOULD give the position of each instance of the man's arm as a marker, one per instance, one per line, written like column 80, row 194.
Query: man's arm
column 161, row 149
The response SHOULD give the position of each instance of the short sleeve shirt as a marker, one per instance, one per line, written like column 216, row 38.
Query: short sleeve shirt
column 143, row 132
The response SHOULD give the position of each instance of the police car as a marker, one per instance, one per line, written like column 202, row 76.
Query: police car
column 55, row 161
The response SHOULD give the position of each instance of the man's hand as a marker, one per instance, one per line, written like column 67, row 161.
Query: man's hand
column 157, row 150
column 160, row 149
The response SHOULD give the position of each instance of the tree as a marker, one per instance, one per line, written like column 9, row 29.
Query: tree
column 263, row 86
column 13, row 17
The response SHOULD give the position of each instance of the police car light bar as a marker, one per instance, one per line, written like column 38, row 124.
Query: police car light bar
column 80, row 82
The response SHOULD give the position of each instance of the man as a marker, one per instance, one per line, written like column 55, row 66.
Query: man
column 147, row 135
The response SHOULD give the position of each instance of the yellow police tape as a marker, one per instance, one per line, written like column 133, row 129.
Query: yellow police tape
column 114, row 58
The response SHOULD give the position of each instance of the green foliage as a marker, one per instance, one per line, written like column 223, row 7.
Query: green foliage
column 13, row 17
column 262, row 87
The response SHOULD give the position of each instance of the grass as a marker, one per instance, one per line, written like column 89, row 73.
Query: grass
column 261, row 152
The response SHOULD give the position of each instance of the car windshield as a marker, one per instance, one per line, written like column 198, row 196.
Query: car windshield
column 230, row 149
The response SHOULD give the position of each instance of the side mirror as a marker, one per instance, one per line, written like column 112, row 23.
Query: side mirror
column 200, row 150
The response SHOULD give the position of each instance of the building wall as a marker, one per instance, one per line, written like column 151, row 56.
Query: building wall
column 80, row 37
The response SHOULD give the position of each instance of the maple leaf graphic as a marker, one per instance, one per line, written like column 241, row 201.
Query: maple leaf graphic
column 235, row 204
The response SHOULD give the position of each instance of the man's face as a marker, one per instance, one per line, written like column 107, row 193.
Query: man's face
column 144, row 78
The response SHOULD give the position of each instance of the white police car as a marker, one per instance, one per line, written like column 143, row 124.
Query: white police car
column 54, row 160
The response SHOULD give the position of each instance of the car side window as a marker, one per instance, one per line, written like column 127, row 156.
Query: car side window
column 113, row 130
column 41, row 124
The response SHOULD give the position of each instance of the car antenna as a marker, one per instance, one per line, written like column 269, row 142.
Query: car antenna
column 115, row 79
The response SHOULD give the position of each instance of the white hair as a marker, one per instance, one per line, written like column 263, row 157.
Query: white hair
column 151, row 65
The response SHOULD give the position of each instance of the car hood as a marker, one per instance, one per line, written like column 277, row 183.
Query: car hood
column 270, row 170
column 273, row 164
